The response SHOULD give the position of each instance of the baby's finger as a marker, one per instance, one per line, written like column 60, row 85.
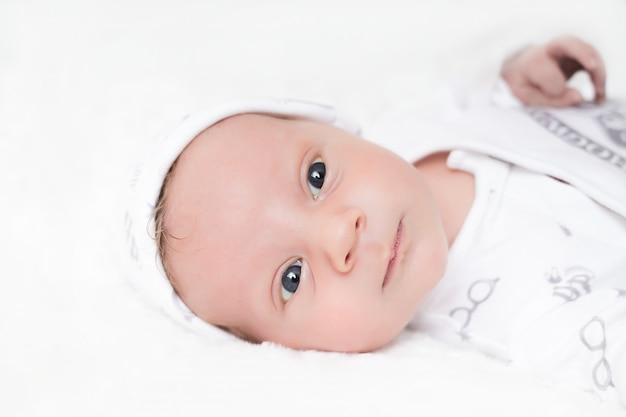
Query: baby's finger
column 546, row 76
column 598, row 78
column 577, row 49
column 570, row 47
column 535, row 97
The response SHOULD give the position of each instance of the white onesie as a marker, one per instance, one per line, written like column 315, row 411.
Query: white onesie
column 537, row 274
column 537, row 277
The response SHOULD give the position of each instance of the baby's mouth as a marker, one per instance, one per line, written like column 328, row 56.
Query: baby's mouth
column 392, row 262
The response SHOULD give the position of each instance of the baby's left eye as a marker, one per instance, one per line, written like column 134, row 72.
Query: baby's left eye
column 315, row 177
column 290, row 281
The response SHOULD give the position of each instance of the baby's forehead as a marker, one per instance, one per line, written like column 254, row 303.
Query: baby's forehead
column 220, row 135
column 242, row 120
column 222, row 153
column 241, row 129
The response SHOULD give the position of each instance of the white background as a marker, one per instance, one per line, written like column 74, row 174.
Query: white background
column 83, row 84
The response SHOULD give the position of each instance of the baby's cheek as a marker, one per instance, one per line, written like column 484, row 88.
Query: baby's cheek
column 355, row 327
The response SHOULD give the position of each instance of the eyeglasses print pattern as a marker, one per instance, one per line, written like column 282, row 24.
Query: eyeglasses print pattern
column 593, row 336
column 479, row 292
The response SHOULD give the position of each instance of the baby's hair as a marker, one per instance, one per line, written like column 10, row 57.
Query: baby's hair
column 161, row 235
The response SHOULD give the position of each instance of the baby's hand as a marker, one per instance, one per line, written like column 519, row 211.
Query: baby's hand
column 538, row 75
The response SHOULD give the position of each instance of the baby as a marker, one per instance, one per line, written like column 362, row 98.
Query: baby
column 276, row 221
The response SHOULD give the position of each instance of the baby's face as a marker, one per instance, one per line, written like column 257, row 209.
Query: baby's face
column 302, row 234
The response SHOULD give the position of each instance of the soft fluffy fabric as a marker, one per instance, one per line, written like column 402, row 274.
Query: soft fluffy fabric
column 83, row 85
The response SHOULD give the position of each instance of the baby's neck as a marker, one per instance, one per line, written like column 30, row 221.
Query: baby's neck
column 453, row 191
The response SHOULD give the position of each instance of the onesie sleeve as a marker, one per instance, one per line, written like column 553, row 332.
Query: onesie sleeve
column 502, row 96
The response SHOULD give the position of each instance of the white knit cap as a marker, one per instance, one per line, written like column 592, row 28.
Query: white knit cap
column 145, row 265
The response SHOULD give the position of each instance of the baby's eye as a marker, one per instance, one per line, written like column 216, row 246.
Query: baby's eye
column 290, row 280
column 315, row 178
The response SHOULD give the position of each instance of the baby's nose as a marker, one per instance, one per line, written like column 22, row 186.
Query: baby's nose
column 340, row 237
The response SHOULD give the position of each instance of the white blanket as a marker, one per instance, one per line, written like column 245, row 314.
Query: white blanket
column 84, row 84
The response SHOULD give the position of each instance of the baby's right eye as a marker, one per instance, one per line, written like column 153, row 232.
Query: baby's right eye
column 290, row 280
column 315, row 177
